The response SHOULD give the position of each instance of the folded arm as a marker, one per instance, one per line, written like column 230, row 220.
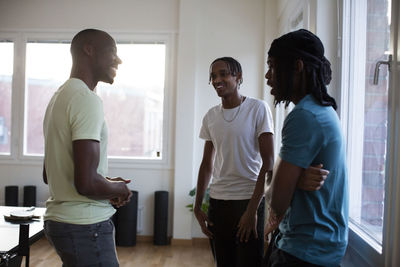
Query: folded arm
column 284, row 183
column 88, row 182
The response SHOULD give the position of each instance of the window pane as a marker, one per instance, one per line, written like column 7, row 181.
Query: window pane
column 133, row 105
column 6, row 74
column 48, row 66
column 369, row 214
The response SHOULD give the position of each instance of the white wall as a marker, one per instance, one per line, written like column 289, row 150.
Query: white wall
column 208, row 30
column 326, row 27
column 121, row 15
column 205, row 30
column 320, row 17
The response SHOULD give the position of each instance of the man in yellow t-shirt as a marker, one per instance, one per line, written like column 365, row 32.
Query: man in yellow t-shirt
column 77, row 219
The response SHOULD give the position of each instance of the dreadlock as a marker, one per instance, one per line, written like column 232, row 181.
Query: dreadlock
column 234, row 67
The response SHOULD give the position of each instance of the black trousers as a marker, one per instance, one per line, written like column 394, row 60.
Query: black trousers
column 278, row 258
column 228, row 251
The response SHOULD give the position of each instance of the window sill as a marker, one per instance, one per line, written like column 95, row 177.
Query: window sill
column 117, row 163
column 364, row 246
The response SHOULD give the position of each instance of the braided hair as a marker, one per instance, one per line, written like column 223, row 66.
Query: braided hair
column 304, row 45
column 233, row 65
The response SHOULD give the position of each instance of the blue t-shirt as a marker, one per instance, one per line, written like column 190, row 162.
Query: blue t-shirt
column 315, row 227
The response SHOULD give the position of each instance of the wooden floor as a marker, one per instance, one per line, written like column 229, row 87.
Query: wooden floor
column 143, row 254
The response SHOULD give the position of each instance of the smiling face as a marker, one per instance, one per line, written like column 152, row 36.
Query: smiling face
column 106, row 60
column 224, row 82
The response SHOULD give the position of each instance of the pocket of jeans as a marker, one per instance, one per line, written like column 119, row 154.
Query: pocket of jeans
column 55, row 229
column 106, row 227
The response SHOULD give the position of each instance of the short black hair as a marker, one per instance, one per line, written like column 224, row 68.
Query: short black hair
column 82, row 37
column 234, row 67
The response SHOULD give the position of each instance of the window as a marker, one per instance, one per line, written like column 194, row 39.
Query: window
column 47, row 67
column 365, row 115
column 6, row 75
column 133, row 104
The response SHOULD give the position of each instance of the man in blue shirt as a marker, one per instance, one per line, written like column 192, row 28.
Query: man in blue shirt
column 313, row 225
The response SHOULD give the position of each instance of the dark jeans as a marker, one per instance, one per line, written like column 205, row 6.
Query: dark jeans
column 83, row 245
column 228, row 251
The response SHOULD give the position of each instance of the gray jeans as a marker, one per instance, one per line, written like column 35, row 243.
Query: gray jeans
column 83, row 245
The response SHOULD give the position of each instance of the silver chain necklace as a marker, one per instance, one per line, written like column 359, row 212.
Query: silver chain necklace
column 237, row 112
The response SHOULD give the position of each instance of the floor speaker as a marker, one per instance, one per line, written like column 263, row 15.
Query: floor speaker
column 30, row 196
column 126, row 222
column 11, row 195
column 161, row 218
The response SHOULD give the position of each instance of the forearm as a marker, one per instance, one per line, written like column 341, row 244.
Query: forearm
column 202, row 184
column 97, row 187
column 269, row 188
column 258, row 192
column 87, row 181
column 280, row 202
column 284, row 185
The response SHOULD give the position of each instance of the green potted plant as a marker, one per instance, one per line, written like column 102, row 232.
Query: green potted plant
column 206, row 200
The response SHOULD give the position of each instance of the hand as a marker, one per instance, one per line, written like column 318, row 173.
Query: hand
column 273, row 222
column 269, row 228
column 121, row 201
column 203, row 220
column 247, row 225
column 313, row 178
column 126, row 194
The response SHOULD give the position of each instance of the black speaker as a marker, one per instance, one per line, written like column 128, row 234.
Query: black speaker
column 126, row 222
column 29, row 196
column 161, row 218
column 11, row 195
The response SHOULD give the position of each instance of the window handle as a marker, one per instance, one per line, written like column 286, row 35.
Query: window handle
column 378, row 65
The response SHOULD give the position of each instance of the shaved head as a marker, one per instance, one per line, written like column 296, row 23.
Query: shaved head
column 94, row 57
column 92, row 37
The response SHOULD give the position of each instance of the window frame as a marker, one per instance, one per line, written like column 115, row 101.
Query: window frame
column 363, row 249
column 10, row 37
column 19, row 90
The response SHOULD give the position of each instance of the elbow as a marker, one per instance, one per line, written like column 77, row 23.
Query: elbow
column 206, row 168
column 83, row 188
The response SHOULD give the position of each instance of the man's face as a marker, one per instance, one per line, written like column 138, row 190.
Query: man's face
column 223, row 81
column 107, row 60
column 270, row 76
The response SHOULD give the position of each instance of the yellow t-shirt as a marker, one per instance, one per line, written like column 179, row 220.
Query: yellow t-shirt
column 74, row 113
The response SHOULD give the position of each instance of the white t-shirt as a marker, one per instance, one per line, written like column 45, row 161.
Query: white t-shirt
column 237, row 160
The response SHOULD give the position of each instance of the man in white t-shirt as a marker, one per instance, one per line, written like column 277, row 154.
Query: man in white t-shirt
column 238, row 153
column 77, row 219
